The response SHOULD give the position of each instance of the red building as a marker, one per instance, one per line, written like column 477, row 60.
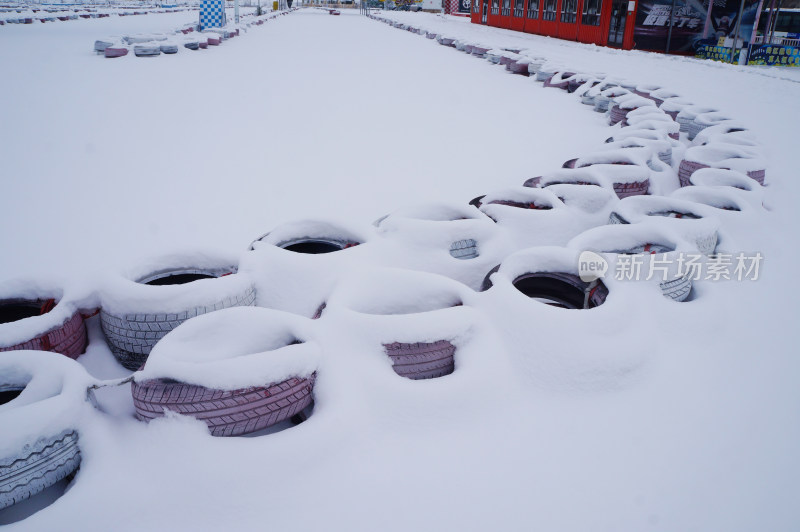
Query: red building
column 602, row 22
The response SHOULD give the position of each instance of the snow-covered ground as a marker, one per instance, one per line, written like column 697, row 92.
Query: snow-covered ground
column 641, row 414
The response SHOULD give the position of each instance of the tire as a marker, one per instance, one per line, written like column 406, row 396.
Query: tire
column 131, row 335
column 677, row 289
column 68, row 338
column 623, row 190
column 562, row 289
column 617, row 115
column 38, row 467
column 112, row 52
column 464, row 249
column 686, row 169
column 422, row 360
column 226, row 412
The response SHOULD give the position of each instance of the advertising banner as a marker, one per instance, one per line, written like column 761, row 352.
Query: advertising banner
column 688, row 23
column 773, row 54
column 717, row 53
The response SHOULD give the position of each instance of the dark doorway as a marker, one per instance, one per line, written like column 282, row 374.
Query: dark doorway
column 484, row 11
column 616, row 27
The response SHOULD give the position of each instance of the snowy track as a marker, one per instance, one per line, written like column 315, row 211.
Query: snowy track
column 319, row 116
column 652, row 415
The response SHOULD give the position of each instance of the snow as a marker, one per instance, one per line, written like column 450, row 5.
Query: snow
column 234, row 348
column 127, row 293
column 642, row 413
column 52, row 399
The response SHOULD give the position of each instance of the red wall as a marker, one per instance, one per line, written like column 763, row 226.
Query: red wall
column 475, row 17
column 555, row 28
column 531, row 25
column 548, row 27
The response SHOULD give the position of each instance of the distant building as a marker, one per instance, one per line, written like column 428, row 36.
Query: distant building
column 627, row 24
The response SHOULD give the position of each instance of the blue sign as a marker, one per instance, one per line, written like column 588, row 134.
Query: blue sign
column 774, row 54
column 212, row 14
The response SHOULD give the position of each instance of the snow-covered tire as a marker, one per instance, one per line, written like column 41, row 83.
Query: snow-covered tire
column 695, row 223
column 226, row 412
column 69, row 339
column 147, row 50
column 617, row 115
column 238, row 370
column 464, row 249
column 479, row 50
column 422, row 360
column 308, row 238
column 37, row 467
column 559, row 80
column 101, row 45
column 562, row 289
column 42, row 403
column 112, row 52
column 744, row 159
column 132, row 334
column 41, row 325
column 677, row 289
column 519, row 67
column 639, row 188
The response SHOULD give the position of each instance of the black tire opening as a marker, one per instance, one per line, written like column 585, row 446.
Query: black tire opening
column 179, row 278
column 562, row 290
column 6, row 396
column 313, row 247
column 476, row 202
column 11, row 311
column 676, row 214
column 522, row 205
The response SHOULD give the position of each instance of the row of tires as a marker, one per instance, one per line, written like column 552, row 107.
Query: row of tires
column 155, row 45
column 49, row 15
column 726, row 144
column 153, row 316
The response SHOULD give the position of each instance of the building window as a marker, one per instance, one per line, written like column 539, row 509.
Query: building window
column 591, row 12
column 569, row 11
column 533, row 9
column 519, row 8
column 549, row 12
column 506, row 8
column 495, row 7
column 476, row 6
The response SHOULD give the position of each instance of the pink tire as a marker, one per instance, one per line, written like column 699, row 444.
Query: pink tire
column 640, row 188
column 226, row 412
column 68, row 339
column 115, row 52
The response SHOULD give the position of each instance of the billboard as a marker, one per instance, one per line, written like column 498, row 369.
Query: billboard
column 688, row 24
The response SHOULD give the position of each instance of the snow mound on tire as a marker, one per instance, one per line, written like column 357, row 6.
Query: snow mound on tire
column 234, row 348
